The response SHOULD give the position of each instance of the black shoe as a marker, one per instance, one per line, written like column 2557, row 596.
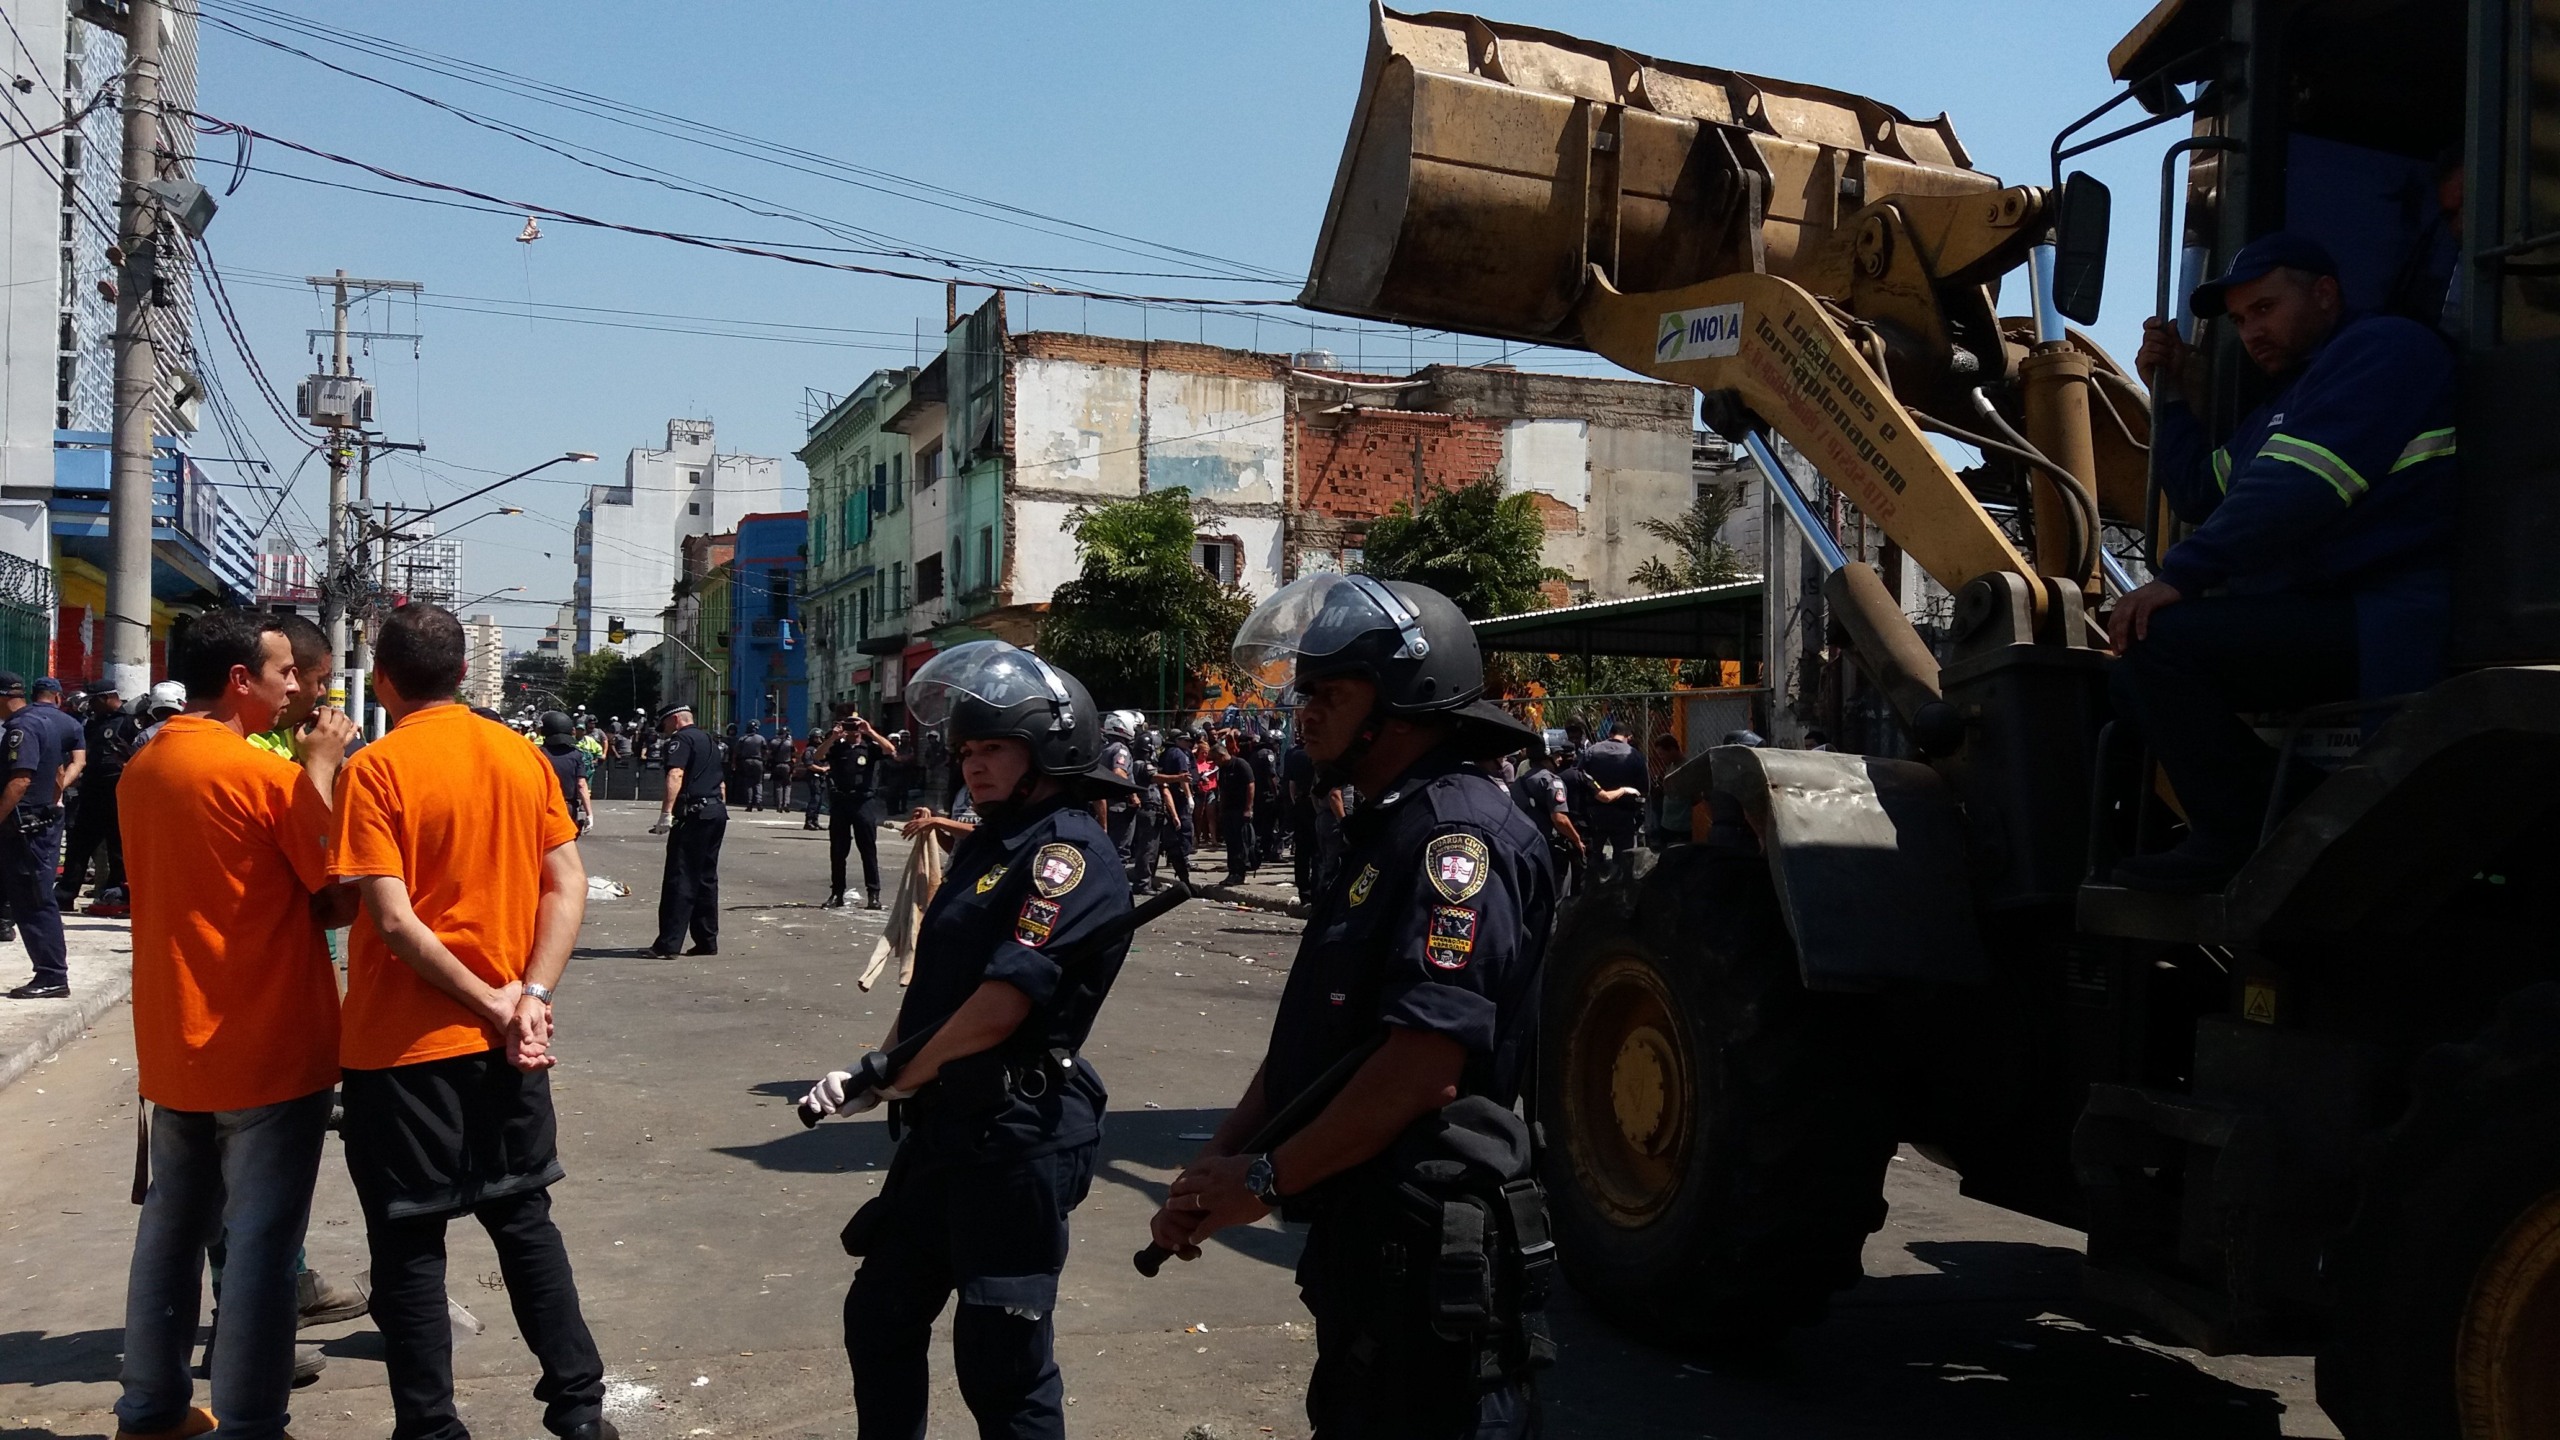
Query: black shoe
column 594, row 1430
column 39, row 990
column 835, row 901
column 653, row 952
column 873, row 903
column 2194, row 868
column 704, row 950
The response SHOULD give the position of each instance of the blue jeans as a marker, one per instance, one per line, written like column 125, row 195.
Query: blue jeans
column 245, row 1175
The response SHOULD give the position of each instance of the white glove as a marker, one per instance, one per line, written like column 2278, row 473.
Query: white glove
column 662, row 827
column 844, row 1092
column 828, row 1096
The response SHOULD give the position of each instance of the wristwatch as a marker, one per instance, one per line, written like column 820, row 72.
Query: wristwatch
column 533, row 991
column 1263, row 1181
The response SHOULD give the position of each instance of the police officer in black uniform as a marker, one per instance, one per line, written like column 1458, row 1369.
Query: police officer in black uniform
column 32, row 754
column 997, row 1115
column 746, row 757
column 852, row 758
column 689, row 896
column 1431, row 933
column 111, row 732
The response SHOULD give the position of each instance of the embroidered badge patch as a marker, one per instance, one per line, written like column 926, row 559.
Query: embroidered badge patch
column 1038, row 919
column 1367, row 881
column 1456, row 865
column 988, row 881
column 1057, row 869
column 1452, row 938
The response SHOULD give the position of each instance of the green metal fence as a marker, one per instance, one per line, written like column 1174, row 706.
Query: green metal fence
column 26, row 616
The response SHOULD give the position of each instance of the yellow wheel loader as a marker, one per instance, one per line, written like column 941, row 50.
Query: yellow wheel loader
column 2320, row 1110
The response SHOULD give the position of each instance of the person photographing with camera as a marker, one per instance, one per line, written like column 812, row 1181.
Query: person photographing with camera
column 851, row 758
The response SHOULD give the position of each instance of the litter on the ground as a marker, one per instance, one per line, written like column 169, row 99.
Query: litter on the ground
column 605, row 887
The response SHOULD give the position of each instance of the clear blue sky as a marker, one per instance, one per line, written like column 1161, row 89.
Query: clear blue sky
column 1210, row 127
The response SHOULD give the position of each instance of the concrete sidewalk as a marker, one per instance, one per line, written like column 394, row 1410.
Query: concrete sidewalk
column 31, row 1031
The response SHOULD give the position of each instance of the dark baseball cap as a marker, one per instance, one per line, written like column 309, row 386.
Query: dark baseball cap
column 2283, row 250
column 47, row 684
column 679, row 708
column 13, row 686
column 101, row 688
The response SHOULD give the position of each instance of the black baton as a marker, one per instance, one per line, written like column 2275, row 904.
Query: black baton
column 1111, row 933
column 1293, row 1117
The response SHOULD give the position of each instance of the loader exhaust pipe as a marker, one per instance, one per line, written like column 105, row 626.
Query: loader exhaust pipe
column 1891, row 654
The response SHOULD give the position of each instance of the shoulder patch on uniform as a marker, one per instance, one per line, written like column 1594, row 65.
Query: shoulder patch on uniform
column 1057, row 869
column 1366, row 882
column 1036, row 921
column 1456, row 865
column 988, row 881
column 1452, row 938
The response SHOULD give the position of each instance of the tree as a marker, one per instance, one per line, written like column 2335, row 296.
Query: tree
column 535, row 678
column 1474, row 544
column 1699, row 554
column 608, row 683
column 1141, row 624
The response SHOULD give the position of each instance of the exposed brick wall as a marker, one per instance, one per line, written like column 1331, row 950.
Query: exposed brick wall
column 1356, row 465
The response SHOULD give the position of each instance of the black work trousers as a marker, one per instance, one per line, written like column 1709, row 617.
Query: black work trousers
column 1382, row 1372
column 417, row 1331
column 93, row 832
column 853, row 825
column 1158, row 834
column 997, row 1234
column 689, row 895
column 746, row 784
column 2208, row 661
column 28, row 864
column 1240, row 853
column 1613, row 846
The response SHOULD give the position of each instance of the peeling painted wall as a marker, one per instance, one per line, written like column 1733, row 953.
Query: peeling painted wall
column 1223, row 438
column 1075, row 427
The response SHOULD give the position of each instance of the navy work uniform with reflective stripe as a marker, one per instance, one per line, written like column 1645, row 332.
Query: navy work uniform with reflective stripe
column 31, row 838
column 1436, row 921
column 978, row 1202
column 2320, row 568
column 2342, row 483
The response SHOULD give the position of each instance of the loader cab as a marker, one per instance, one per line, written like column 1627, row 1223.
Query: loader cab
column 2352, row 121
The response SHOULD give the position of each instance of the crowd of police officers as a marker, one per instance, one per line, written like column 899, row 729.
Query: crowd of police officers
column 1383, row 1112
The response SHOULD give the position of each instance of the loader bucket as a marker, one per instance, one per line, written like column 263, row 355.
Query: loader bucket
column 1490, row 165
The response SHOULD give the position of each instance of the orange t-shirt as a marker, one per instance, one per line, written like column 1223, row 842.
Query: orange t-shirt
column 462, row 811
column 234, row 1001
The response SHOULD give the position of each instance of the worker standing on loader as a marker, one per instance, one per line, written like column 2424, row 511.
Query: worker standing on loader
column 2320, row 567
column 1426, row 1260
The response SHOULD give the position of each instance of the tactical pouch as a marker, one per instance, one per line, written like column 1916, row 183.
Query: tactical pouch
column 973, row 1085
column 863, row 1229
column 1462, row 1298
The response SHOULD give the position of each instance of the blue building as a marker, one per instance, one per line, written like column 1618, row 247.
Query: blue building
column 768, row 656
column 201, row 553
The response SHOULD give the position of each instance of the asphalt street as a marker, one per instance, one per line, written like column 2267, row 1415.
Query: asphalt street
column 702, row 1219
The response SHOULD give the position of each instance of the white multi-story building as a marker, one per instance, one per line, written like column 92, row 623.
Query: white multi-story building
column 630, row 536
column 484, row 671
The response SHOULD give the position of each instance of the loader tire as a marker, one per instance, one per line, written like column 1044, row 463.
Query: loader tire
column 2446, row 1286
column 1716, row 1134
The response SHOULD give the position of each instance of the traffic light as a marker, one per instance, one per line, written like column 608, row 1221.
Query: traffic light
column 614, row 629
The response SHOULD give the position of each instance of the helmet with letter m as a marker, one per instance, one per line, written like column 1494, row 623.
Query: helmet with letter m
column 989, row 690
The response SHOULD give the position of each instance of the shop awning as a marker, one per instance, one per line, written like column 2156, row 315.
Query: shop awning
column 1713, row 622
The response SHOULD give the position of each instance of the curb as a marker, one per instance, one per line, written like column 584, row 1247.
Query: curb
column 86, row 1006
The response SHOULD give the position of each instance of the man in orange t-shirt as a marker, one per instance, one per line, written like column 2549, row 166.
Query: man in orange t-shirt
column 235, row 1019
column 454, row 832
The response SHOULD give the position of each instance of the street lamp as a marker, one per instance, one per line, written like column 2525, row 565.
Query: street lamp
column 492, row 595
column 579, row 457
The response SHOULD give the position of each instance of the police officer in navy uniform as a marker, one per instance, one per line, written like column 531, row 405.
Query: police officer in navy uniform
column 1431, row 931
column 998, row 1116
column 1120, row 817
column 32, row 755
column 694, row 819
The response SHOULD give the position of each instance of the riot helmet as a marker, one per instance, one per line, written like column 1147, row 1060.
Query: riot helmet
column 557, row 728
column 1409, row 640
column 987, row 690
column 1122, row 725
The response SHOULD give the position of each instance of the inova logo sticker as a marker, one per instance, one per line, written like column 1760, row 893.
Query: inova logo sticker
column 1699, row 334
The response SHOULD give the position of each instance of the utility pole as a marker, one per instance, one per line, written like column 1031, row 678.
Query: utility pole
column 335, row 402
column 137, row 362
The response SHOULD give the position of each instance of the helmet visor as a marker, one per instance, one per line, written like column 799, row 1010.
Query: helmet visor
column 999, row 674
column 1317, row 616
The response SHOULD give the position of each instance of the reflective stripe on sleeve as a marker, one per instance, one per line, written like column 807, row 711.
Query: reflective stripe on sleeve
column 2430, row 445
column 2222, row 470
column 2320, row 461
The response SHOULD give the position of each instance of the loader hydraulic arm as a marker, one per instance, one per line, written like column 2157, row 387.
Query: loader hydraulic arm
column 1770, row 342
